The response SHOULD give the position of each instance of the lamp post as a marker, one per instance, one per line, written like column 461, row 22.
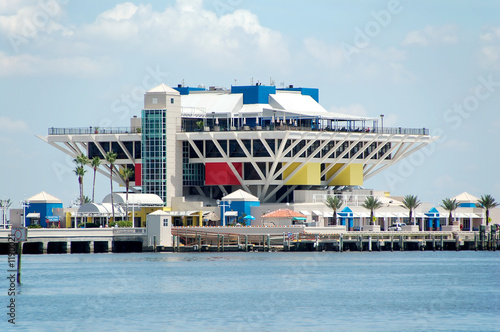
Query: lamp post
column 25, row 204
column 382, row 119
column 223, row 205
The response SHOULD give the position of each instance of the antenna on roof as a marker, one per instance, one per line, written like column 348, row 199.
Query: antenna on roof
column 251, row 81
column 271, row 81
column 182, row 82
column 235, row 81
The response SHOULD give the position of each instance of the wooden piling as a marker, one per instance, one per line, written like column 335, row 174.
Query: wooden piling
column 19, row 256
column 246, row 242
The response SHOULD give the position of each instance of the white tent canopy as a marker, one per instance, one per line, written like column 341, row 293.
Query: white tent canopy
column 135, row 199
column 99, row 210
column 240, row 195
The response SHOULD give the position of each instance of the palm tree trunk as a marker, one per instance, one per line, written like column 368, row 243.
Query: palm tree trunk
column 127, row 184
column 93, row 187
column 487, row 216
column 80, row 181
column 112, row 201
column 335, row 217
column 450, row 222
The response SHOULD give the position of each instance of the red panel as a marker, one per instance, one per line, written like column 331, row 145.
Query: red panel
column 138, row 174
column 221, row 173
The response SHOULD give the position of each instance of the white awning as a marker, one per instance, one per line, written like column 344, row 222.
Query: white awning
column 318, row 213
column 306, row 213
column 180, row 213
column 33, row 215
column 231, row 214
column 328, row 215
column 361, row 214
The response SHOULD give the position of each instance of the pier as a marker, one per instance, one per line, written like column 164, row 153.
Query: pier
column 223, row 239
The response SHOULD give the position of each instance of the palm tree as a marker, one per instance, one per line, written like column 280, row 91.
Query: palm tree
column 111, row 158
column 372, row 203
column 411, row 202
column 487, row 202
column 450, row 205
column 80, row 172
column 95, row 163
column 126, row 174
column 334, row 203
column 81, row 159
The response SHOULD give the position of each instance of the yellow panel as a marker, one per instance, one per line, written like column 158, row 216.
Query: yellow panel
column 352, row 175
column 309, row 174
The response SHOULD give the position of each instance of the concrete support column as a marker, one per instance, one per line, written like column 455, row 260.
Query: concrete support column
column 44, row 247
column 91, row 247
column 110, row 246
column 68, row 247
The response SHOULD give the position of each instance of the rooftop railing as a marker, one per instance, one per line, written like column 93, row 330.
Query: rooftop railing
column 390, row 130
column 135, row 130
column 94, row 130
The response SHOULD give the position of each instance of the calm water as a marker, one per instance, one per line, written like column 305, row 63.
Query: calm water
column 382, row 291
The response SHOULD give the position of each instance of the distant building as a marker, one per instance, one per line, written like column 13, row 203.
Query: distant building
column 42, row 209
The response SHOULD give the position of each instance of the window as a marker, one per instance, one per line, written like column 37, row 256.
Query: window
column 165, row 222
column 154, row 101
column 171, row 100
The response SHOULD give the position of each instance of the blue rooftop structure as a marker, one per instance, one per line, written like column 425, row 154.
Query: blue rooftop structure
column 254, row 94
column 185, row 90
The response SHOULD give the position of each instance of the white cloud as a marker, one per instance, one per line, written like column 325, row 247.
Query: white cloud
column 8, row 125
column 29, row 65
column 491, row 35
column 330, row 56
column 189, row 29
column 489, row 54
column 430, row 35
column 30, row 19
column 123, row 11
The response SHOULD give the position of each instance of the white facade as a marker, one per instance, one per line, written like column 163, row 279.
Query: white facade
column 159, row 229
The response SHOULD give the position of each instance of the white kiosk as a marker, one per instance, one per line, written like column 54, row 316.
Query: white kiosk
column 159, row 229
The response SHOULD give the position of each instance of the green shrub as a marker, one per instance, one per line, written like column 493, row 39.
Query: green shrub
column 34, row 226
column 121, row 223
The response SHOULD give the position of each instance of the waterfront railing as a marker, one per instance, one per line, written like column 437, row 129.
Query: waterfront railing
column 137, row 130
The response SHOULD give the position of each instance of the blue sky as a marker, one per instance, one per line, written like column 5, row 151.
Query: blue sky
column 432, row 64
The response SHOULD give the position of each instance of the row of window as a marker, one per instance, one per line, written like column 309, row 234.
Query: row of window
column 134, row 148
column 256, row 148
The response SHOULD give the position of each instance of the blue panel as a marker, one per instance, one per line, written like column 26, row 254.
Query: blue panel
column 185, row 90
column 472, row 205
column 254, row 94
